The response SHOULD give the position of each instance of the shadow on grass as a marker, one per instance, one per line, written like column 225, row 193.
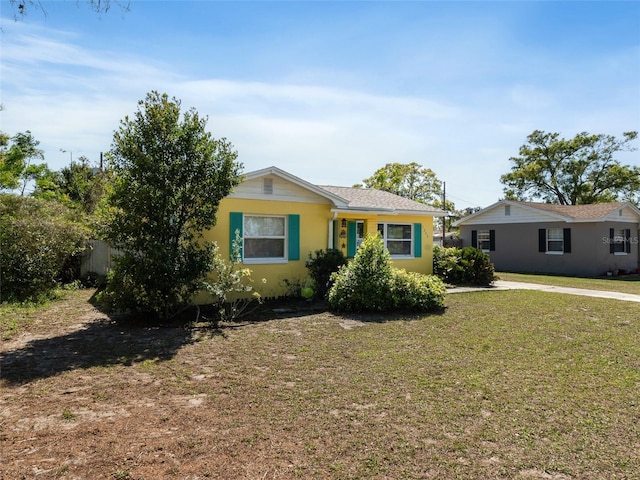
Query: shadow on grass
column 103, row 342
column 126, row 340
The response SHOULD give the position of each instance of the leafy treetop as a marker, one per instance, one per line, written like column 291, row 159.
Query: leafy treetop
column 580, row 170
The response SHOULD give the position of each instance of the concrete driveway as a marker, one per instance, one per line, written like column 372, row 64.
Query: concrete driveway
column 504, row 285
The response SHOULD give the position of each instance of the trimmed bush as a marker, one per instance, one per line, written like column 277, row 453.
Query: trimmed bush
column 322, row 265
column 417, row 292
column 463, row 266
column 40, row 241
column 370, row 284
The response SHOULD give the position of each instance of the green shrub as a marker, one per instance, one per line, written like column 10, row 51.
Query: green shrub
column 463, row 266
column 370, row 283
column 364, row 284
column 321, row 265
column 417, row 292
column 39, row 243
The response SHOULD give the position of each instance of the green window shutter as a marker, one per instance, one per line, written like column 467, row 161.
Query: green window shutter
column 294, row 237
column 235, row 225
column 627, row 240
column 492, row 240
column 351, row 239
column 474, row 238
column 566, row 237
column 417, row 240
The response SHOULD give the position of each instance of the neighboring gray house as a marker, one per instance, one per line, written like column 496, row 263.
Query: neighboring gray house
column 583, row 240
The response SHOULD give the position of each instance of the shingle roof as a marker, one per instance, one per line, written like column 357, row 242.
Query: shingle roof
column 583, row 212
column 372, row 199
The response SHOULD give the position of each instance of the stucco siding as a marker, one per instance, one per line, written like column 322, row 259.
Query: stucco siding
column 516, row 248
column 313, row 235
column 314, row 219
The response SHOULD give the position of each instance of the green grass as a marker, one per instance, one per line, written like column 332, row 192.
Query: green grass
column 15, row 317
column 503, row 384
column 622, row 284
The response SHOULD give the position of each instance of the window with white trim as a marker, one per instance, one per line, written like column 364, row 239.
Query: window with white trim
column 555, row 240
column 264, row 237
column 484, row 240
column 619, row 242
column 398, row 238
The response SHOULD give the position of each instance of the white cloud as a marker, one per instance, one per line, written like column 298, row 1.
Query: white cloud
column 72, row 97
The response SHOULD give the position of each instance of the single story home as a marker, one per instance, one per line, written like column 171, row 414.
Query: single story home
column 581, row 240
column 282, row 219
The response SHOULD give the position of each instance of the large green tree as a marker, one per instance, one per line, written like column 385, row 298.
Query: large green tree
column 409, row 180
column 169, row 177
column 79, row 185
column 16, row 169
column 574, row 171
column 412, row 181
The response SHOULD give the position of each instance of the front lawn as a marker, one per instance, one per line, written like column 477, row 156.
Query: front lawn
column 503, row 384
column 622, row 283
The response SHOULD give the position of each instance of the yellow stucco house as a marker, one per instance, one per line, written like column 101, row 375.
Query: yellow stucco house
column 282, row 219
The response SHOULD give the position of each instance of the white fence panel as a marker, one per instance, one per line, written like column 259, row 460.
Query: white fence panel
column 98, row 258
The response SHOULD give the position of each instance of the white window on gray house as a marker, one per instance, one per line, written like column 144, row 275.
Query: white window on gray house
column 555, row 240
column 397, row 238
column 264, row 237
column 484, row 240
column 620, row 241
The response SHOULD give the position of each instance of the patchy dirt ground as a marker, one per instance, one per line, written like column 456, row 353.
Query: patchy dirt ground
column 84, row 397
column 307, row 394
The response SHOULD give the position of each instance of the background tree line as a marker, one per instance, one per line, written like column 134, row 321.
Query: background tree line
column 164, row 178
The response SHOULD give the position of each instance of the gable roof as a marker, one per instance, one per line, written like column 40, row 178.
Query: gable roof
column 349, row 199
column 594, row 212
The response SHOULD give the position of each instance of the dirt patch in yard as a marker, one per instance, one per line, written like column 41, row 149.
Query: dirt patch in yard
column 298, row 392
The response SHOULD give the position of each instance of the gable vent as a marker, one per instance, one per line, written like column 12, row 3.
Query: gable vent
column 267, row 186
column 507, row 210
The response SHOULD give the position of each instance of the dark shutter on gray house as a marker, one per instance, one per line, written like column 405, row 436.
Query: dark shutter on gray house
column 566, row 237
column 627, row 240
column 542, row 240
column 612, row 247
column 474, row 238
column 492, row 240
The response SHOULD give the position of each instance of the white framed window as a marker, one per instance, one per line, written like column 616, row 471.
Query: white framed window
column 264, row 238
column 484, row 240
column 619, row 242
column 555, row 240
column 398, row 238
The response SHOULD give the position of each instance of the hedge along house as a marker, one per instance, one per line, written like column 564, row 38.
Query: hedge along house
column 282, row 219
column 582, row 240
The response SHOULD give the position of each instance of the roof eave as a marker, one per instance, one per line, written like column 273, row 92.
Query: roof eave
column 388, row 211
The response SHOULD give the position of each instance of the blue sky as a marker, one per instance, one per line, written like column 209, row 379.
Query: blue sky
column 331, row 91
